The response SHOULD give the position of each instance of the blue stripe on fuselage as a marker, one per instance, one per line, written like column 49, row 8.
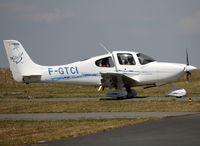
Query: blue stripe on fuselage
column 68, row 77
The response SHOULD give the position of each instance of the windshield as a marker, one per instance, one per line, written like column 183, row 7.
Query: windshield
column 144, row 59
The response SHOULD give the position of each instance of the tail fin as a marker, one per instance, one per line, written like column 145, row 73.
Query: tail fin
column 21, row 64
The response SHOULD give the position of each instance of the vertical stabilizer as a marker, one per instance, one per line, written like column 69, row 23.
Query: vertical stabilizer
column 21, row 64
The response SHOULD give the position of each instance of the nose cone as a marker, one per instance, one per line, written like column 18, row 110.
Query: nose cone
column 190, row 68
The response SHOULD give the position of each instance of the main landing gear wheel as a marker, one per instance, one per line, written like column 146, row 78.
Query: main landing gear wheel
column 131, row 93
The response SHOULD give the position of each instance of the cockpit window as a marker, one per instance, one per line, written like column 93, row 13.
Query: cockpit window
column 125, row 59
column 144, row 59
column 105, row 62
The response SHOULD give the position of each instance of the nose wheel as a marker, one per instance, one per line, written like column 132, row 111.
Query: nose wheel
column 180, row 92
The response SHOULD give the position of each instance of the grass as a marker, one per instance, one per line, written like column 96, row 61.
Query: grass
column 27, row 132
column 97, row 106
column 11, row 89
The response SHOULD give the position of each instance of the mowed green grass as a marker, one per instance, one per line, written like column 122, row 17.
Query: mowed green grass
column 11, row 89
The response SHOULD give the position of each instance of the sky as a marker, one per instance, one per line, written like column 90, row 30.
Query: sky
column 64, row 31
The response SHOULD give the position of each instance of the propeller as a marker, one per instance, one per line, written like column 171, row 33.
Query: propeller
column 188, row 74
column 188, row 68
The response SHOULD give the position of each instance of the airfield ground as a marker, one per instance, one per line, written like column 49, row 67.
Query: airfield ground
column 24, row 132
column 173, row 131
column 7, row 107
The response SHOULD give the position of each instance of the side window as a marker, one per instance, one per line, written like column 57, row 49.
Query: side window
column 144, row 59
column 125, row 59
column 105, row 62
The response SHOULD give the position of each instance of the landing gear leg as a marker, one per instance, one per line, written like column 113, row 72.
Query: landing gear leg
column 131, row 93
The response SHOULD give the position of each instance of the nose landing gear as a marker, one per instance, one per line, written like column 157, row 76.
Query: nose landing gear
column 180, row 92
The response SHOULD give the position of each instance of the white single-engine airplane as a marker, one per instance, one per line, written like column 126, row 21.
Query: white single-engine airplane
column 119, row 69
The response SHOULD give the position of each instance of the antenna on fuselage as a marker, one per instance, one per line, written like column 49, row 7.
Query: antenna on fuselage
column 104, row 48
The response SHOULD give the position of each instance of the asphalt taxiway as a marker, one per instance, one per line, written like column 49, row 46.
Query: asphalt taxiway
column 92, row 115
column 146, row 98
column 174, row 131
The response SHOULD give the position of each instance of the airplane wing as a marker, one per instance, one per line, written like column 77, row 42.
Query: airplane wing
column 118, row 79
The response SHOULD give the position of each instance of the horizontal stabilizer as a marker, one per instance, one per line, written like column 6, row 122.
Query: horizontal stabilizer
column 31, row 79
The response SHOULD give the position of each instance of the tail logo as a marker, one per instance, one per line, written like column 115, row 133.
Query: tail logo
column 16, row 46
column 17, row 59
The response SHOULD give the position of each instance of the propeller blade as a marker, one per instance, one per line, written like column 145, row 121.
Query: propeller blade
column 187, row 61
column 189, row 68
column 187, row 56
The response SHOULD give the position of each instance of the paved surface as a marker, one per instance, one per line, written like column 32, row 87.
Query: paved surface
column 102, row 98
column 93, row 115
column 176, row 131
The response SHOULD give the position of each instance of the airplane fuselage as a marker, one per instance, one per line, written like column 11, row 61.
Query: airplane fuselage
column 88, row 73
